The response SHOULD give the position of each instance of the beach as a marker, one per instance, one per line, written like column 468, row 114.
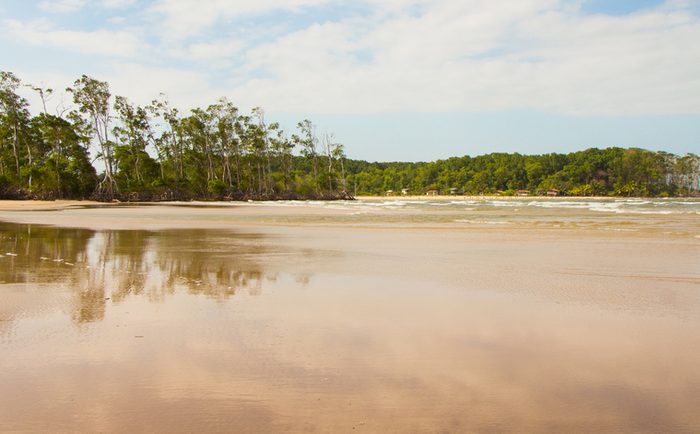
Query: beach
column 378, row 315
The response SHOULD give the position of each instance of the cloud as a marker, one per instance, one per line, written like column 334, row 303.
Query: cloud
column 208, row 51
column 183, row 18
column 405, row 55
column 142, row 83
column 116, row 20
column 474, row 56
column 99, row 42
column 62, row 6
column 70, row 6
column 117, row 4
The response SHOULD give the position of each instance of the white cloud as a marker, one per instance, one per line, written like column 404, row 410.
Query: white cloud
column 62, row 6
column 67, row 6
column 475, row 56
column 408, row 55
column 142, row 83
column 209, row 51
column 102, row 42
column 182, row 18
column 117, row 4
column 139, row 83
column 116, row 20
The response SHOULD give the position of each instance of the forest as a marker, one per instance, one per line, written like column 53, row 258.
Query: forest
column 592, row 172
column 104, row 147
column 154, row 152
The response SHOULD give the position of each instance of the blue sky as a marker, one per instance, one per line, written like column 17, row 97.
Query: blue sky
column 392, row 79
column 618, row 7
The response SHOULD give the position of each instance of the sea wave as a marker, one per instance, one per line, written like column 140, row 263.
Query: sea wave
column 618, row 205
column 483, row 222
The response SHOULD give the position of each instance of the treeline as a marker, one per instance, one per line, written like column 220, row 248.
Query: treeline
column 154, row 152
column 593, row 172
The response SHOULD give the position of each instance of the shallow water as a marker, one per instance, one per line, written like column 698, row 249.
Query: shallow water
column 676, row 216
column 340, row 328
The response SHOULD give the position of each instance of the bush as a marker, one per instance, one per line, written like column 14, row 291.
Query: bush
column 217, row 187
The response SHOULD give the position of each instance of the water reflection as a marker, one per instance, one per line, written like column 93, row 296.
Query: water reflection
column 101, row 267
column 398, row 331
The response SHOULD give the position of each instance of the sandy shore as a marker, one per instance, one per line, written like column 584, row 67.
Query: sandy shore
column 487, row 197
column 297, row 318
column 585, row 218
column 28, row 205
column 11, row 205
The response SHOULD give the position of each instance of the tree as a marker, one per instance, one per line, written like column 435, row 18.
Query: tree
column 281, row 148
column 14, row 126
column 198, row 136
column 135, row 166
column 337, row 152
column 169, row 145
column 93, row 99
column 225, row 117
column 307, row 142
column 66, row 170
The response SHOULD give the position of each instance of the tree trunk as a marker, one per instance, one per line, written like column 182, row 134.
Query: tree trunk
column 15, row 152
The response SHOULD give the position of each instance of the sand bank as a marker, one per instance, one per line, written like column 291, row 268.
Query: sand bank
column 297, row 318
column 608, row 218
column 483, row 197
column 28, row 205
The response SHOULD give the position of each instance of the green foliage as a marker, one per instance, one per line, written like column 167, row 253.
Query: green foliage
column 216, row 152
column 593, row 172
column 216, row 187
column 154, row 152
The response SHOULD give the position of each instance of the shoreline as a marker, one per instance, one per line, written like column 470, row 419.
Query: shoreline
column 393, row 319
column 443, row 197
column 46, row 205
column 516, row 219
column 300, row 309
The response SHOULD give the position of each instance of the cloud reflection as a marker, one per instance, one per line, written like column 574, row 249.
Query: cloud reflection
column 101, row 267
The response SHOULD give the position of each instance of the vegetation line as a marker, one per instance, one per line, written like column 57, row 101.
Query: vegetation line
column 593, row 172
column 155, row 153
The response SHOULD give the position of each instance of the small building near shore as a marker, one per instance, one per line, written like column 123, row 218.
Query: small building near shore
column 553, row 192
column 454, row 191
column 404, row 192
column 389, row 193
column 522, row 192
column 433, row 192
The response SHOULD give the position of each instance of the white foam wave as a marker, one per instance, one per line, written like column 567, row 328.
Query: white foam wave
column 619, row 206
column 483, row 222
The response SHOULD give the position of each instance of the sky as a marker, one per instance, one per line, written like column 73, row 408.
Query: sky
column 408, row 80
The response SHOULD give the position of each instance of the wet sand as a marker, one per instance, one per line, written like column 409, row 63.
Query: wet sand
column 38, row 205
column 269, row 318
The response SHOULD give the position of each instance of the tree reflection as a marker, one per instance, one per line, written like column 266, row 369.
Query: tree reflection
column 110, row 266
column 39, row 253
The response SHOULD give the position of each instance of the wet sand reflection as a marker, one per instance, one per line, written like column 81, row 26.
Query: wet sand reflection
column 143, row 331
column 108, row 266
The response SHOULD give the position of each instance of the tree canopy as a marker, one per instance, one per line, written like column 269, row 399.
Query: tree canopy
column 592, row 172
column 155, row 152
